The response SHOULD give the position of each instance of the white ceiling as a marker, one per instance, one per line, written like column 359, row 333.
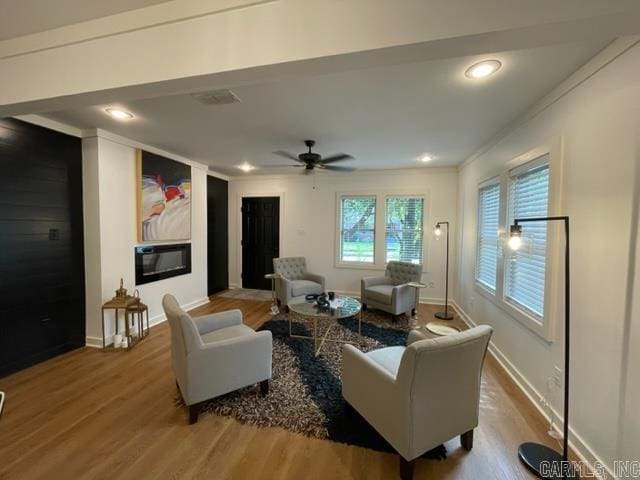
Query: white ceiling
column 385, row 117
column 23, row 17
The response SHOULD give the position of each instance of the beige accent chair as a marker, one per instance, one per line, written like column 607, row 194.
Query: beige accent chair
column 295, row 281
column 215, row 354
column 390, row 292
column 419, row 396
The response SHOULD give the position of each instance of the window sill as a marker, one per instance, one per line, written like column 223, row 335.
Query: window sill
column 358, row 266
column 540, row 326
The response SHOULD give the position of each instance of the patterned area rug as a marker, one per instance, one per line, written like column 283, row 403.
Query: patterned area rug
column 306, row 391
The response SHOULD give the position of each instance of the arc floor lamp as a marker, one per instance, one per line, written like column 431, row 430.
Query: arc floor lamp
column 444, row 315
column 544, row 461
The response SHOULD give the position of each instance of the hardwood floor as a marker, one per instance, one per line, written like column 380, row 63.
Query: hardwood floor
column 92, row 414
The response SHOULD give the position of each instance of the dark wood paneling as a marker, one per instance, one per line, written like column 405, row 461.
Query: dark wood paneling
column 41, row 245
column 217, row 234
column 260, row 240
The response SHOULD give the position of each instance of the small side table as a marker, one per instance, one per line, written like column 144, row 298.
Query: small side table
column 417, row 286
column 274, row 305
column 118, row 303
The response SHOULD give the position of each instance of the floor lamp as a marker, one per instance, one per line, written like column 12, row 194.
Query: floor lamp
column 444, row 315
column 540, row 459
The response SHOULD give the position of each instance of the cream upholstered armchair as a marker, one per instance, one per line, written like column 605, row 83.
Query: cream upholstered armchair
column 295, row 281
column 215, row 354
column 419, row 396
column 391, row 292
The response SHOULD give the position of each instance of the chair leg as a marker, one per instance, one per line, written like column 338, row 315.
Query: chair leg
column 466, row 440
column 406, row 468
column 349, row 411
column 193, row 413
column 264, row 387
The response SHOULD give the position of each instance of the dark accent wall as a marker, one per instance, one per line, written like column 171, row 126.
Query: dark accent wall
column 42, row 294
column 217, row 234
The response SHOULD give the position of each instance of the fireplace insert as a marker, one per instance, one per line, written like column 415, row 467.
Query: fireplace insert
column 158, row 262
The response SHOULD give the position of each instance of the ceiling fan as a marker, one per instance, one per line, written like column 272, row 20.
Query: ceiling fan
column 311, row 160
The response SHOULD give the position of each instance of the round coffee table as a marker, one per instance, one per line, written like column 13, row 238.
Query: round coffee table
column 348, row 307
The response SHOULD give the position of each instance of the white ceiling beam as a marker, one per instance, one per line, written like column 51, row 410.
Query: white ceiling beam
column 183, row 52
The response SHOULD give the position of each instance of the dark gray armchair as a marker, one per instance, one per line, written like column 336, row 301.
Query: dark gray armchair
column 391, row 292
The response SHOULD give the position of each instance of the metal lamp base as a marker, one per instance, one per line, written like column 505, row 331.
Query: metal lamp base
column 444, row 316
column 545, row 462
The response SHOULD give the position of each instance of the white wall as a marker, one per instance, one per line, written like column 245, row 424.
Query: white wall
column 599, row 122
column 309, row 220
column 111, row 234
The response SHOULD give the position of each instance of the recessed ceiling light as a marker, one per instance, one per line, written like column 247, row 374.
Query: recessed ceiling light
column 425, row 158
column 245, row 167
column 119, row 114
column 483, row 69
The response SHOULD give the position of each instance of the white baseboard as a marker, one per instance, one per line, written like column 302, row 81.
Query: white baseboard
column 577, row 444
column 96, row 342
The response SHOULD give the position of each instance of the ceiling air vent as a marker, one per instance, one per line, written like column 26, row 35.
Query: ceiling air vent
column 216, row 97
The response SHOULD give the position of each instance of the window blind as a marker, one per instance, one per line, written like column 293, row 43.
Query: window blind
column 357, row 229
column 529, row 197
column 488, row 223
column 404, row 229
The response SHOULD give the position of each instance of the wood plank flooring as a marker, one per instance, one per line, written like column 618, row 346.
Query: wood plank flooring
column 90, row 414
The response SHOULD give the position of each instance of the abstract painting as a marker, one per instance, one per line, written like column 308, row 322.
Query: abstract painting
column 164, row 198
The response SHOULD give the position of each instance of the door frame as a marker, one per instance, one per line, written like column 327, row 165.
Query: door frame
column 238, row 207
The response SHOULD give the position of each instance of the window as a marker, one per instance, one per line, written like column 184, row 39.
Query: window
column 357, row 229
column 404, row 229
column 488, row 225
column 526, row 269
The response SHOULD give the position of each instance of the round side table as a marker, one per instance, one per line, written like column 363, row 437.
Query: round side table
column 274, row 304
column 414, row 318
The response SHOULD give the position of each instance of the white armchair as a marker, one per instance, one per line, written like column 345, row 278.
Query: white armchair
column 418, row 396
column 295, row 282
column 391, row 292
column 215, row 354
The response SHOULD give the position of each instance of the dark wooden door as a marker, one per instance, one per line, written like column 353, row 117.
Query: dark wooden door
column 217, row 234
column 260, row 240
column 42, row 303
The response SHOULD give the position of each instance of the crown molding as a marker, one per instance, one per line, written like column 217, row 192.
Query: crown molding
column 50, row 124
column 360, row 173
column 112, row 137
column 606, row 56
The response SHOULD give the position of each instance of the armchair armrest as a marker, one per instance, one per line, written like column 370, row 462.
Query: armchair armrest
column 216, row 321
column 315, row 278
column 404, row 297
column 372, row 281
column 360, row 372
column 283, row 289
column 220, row 367
column 415, row 336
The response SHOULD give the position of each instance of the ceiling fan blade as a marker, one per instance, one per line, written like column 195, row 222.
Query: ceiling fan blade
column 338, row 169
column 281, row 166
column 288, row 155
column 337, row 158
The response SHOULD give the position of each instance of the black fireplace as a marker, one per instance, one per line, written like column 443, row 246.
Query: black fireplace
column 162, row 261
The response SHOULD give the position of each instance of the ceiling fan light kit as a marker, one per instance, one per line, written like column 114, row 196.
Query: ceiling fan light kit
column 311, row 160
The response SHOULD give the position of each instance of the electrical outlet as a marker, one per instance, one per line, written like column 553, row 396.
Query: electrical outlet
column 557, row 375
